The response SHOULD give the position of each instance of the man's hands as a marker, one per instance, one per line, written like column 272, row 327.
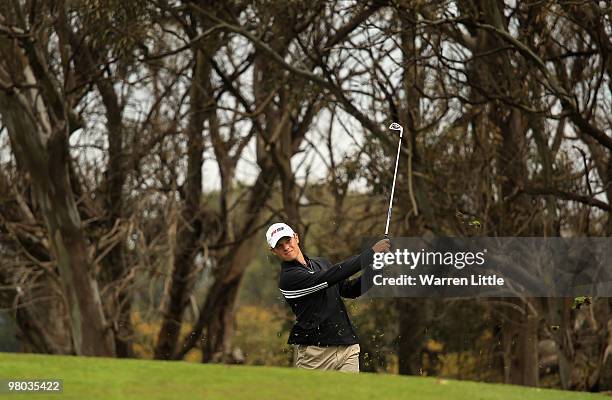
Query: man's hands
column 382, row 246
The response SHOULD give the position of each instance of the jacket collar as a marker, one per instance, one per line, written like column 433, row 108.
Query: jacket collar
column 295, row 263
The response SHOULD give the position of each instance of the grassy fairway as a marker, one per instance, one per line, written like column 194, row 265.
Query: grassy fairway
column 102, row 378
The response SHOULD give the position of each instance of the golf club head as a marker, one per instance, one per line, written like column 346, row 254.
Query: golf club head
column 397, row 127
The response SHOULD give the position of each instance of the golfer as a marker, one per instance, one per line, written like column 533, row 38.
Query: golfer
column 323, row 332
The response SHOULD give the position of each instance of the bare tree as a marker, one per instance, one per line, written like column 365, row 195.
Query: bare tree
column 39, row 121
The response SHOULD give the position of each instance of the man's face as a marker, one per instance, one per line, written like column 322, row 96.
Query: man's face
column 287, row 248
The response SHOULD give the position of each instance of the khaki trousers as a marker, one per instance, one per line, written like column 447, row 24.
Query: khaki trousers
column 337, row 358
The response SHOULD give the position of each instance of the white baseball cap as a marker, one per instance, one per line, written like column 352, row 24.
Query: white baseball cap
column 277, row 231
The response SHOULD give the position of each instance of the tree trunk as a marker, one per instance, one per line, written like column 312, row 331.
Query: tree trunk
column 413, row 318
column 528, row 350
column 47, row 162
column 222, row 294
column 190, row 224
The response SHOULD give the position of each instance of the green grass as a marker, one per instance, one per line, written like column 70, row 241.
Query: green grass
column 102, row 378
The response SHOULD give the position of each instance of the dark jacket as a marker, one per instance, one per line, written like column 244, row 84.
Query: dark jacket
column 313, row 292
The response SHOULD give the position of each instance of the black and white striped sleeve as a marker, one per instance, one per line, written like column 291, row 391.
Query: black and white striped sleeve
column 298, row 282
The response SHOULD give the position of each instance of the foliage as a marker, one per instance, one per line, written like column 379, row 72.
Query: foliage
column 261, row 337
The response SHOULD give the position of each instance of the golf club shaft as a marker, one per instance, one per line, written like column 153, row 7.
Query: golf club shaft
column 393, row 186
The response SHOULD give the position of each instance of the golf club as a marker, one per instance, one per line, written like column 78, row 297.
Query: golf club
column 394, row 127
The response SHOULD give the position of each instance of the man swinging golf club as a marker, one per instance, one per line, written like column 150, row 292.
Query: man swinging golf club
column 323, row 332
